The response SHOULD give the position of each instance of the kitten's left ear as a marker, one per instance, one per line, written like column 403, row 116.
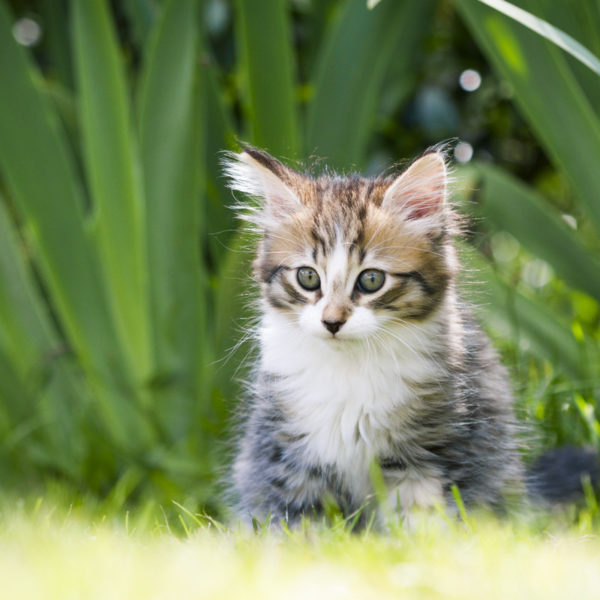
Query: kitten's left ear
column 421, row 190
column 256, row 173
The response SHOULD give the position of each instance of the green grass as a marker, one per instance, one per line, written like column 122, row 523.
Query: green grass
column 83, row 552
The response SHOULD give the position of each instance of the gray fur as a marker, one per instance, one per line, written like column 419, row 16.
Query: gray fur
column 461, row 430
column 457, row 426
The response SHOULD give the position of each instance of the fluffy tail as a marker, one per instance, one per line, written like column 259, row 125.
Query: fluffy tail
column 556, row 476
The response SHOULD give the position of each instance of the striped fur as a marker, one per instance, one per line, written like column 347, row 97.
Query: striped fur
column 401, row 375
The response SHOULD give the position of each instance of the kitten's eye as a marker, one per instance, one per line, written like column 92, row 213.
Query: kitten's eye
column 308, row 278
column 370, row 281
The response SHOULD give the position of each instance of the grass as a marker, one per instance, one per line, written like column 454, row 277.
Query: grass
column 49, row 552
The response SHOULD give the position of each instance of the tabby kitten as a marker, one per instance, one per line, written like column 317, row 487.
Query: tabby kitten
column 367, row 352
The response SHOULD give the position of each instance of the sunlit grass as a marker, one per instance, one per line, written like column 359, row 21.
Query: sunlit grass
column 50, row 551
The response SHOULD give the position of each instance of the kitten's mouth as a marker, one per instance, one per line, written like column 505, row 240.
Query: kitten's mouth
column 336, row 339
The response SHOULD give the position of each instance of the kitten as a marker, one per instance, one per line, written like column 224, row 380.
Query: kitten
column 367, row 352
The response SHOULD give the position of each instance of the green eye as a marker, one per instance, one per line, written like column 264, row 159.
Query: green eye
column 370, row 281
column 308, row 278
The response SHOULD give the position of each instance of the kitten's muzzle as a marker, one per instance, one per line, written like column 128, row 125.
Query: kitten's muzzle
column 335, row 315
column 333, row 326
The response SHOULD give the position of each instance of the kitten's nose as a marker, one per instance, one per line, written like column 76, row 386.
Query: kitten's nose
column 333, row 326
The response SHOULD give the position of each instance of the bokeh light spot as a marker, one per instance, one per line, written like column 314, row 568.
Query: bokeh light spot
column 469, row 80
column 537, row 273
column 463, row 152
column 27, row 32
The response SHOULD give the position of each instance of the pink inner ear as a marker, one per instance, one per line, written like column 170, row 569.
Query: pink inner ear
column 420, row 191
column 422, row 207
column 280, row 204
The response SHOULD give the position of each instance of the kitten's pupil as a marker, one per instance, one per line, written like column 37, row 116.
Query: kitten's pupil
column 371, row 280
column 308, row 278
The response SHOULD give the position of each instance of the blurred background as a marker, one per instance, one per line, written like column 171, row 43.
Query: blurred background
column 124, row 278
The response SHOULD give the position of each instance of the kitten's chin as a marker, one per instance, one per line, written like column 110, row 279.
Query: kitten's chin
column 338, row 340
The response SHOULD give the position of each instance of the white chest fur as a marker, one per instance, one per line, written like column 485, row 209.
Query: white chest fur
column 340, row 395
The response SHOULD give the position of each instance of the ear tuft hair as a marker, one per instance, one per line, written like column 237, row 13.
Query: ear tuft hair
column 257, row 174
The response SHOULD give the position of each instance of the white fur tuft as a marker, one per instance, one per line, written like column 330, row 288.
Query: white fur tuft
column 340, row 394
column 276, row 200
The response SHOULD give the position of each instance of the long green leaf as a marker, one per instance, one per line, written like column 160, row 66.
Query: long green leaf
column 55, row 15
column 29, row 335
column 29, row 341
column 170, row 145
column 581, row 20
column 264, row 41
column 219, row 227
column 37, row 165
column 141, row 15
column 545, row 29
column 358, row 50
column 523, row 319
column 16, row 399
column 114, row 176
column 40, row 171
column 509, row 204
column 548, row 94
column 236, row 313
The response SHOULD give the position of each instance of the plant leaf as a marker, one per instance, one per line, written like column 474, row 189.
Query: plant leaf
column 264, row 41
column 40, row 173
column 219, row 226
column 521, row 318
column 170, row 135
column 510, row 205
column 543, row 28
column 547, row 93
column 357, row 51
column 113, row 171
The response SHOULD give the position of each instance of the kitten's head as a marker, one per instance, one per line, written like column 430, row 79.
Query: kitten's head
column 347, row 257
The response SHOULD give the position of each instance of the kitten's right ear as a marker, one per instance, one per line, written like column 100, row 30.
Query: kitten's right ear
column 256, row 173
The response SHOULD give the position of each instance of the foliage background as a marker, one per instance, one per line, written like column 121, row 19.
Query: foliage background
column 123, row 278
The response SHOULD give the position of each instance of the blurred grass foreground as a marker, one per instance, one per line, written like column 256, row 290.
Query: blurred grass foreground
column 123, row 277
column 46, row 553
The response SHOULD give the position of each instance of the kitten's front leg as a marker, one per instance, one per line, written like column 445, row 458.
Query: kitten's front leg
column 273, row 480
column 413, row 491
